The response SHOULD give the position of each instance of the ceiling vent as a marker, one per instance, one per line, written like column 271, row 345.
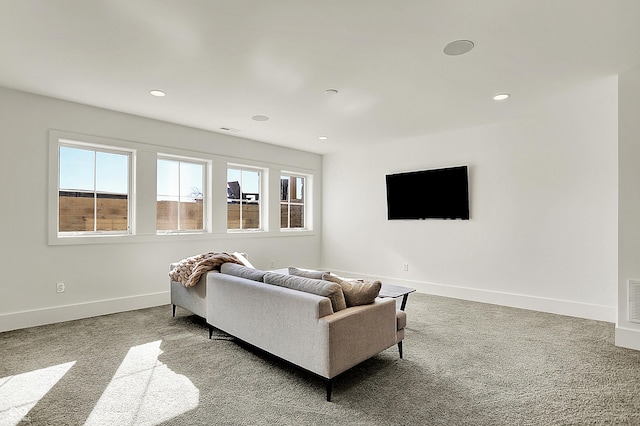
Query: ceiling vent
column 634, row 301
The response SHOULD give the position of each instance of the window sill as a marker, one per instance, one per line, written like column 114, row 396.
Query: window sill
column 245, row 231
column 156, row 238
column 168, row 233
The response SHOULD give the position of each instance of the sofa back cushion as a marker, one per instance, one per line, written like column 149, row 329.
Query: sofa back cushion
column 322, row 288
column 356, row 292
column 242, row 271
column 306, row 273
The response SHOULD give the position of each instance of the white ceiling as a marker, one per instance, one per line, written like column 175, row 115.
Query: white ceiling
column 222, row 62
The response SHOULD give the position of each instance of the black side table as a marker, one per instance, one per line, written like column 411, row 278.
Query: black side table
column 395, row 291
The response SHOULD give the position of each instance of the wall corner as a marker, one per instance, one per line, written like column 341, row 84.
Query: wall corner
column 627, row 338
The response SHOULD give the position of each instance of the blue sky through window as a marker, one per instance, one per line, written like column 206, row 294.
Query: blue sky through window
column 91, row 170
column 179, row 180
column 249, row 180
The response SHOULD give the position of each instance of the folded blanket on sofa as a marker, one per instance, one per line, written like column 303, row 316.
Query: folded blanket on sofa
column 189, row 270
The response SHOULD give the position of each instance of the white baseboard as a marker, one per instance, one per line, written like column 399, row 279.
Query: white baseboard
column 36, row 317
column 628, row 338
column 541, row 304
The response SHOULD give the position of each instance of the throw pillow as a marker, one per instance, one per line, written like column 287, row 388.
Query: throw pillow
column 356, row 292
column 322, row 288
column 307, row 273
column 242, row 257
column 242, row 271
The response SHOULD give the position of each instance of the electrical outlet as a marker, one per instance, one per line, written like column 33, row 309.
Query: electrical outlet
column 405, row 266
column 60, row 287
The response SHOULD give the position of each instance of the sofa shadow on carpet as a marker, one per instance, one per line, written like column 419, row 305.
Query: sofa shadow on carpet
column 382, row 390
column 348, row 382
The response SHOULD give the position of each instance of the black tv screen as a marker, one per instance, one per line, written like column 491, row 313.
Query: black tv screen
column 428, row 194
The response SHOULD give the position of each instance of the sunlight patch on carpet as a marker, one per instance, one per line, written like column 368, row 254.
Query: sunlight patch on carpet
column 144, row 391
column 20, row 393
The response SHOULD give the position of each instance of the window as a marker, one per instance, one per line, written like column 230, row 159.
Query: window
column 108, row 191
column 243, row 198
column 292, row 202
column 93, row 190
column 180, row 195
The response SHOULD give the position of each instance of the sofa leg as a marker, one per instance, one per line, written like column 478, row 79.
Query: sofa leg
column 174, row 311
column 400, row 348
column 210, row 331
column 329, row 384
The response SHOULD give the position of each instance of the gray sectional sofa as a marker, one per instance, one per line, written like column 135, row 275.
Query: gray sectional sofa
column 300, row 320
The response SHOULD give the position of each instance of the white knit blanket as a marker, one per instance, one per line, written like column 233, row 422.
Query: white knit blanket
column 189, row 270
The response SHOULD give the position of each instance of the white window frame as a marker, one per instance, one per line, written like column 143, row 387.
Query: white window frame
column 262, row 204
column 94, row 147
column 142, row 196
column 206, row 199
column 306, row 202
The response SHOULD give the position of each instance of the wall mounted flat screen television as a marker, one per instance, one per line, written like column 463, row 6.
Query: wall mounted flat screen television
column 428, row 194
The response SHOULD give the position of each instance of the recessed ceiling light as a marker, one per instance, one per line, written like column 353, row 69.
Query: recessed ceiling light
column 158, row 93
column 323, row 138
column 501, row 97
column 458, row 47
column 331, row 92
column 260, row 118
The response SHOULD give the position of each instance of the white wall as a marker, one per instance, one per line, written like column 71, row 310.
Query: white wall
column 543, row 194
column 543, row 232
column 628, row 333
column 104, row 278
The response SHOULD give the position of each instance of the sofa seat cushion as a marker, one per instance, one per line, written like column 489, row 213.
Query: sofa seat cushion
column 308, row 285
column 242, row 271
column 356, row 292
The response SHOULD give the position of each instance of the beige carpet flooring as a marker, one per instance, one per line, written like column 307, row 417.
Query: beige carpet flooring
column 465, row 364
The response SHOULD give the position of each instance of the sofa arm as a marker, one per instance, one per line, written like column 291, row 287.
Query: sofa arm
column 358, row 333
column 189, row 298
